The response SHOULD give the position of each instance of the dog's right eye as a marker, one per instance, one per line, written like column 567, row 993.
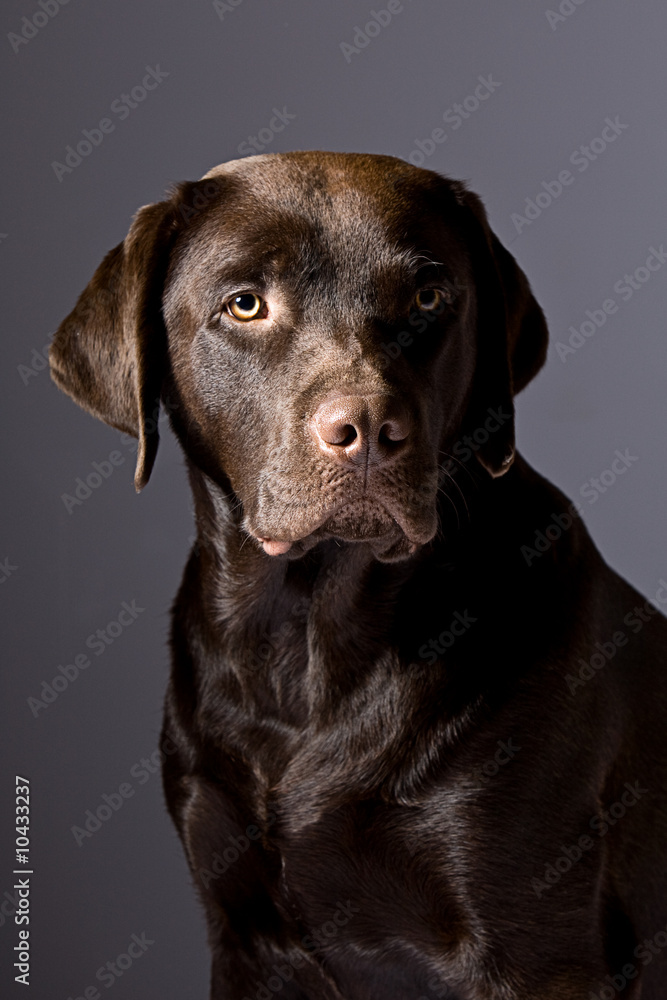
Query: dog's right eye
column 246, row 306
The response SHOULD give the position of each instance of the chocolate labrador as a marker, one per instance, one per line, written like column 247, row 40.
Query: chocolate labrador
column 417, row 723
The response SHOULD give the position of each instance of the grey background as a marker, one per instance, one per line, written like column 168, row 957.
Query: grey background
column 74, row 570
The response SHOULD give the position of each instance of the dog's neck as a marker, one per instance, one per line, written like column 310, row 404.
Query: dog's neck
column 253, row 588
column 335, row 581
column 279, row 635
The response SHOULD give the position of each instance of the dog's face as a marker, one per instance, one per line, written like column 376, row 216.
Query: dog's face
column 327, row 326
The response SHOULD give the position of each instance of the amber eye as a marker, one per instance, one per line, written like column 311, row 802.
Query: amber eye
column 246, row 306
column 429, row 300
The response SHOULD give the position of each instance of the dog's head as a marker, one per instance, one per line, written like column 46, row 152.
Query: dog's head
column 329, row 329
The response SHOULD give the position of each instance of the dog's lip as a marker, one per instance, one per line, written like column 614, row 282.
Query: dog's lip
column 276, row 547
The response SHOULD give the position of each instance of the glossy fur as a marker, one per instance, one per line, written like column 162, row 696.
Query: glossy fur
column 386, row 755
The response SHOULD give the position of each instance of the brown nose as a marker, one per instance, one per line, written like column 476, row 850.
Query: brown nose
column 357, row 429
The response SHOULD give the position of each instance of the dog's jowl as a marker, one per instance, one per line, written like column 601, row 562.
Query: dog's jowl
column 358, row 631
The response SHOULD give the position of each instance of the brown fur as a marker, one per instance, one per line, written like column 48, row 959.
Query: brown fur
column 334, row 783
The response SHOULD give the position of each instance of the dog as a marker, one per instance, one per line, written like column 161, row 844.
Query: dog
column 417, row 723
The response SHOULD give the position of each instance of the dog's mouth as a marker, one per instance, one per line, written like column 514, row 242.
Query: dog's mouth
column 391, row 534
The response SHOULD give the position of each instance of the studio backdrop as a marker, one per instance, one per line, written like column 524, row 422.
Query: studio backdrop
column 554, row 112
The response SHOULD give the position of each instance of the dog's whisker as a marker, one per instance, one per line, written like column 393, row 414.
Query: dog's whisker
column 463, row 466
column 446, row 494
column 465, row 502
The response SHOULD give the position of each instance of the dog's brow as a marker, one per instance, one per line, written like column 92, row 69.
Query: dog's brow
column 234, row 276
column 419, row 261
column 425, row 270
column 431, row 267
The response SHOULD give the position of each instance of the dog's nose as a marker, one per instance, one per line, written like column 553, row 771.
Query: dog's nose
column 351, row 428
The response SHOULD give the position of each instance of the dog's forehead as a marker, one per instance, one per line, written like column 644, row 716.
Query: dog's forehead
column 329, row 178
column 375, row 209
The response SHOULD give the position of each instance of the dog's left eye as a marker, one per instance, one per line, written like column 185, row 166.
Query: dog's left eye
column 429, row 299
column 247, row 306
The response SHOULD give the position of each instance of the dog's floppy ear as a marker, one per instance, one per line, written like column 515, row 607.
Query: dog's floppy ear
column 512, row 336
column 108, row 354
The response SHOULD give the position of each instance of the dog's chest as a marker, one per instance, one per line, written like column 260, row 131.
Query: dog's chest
column 369, row 877
column 383, row 839
column 369, row 837
column 365, row 854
